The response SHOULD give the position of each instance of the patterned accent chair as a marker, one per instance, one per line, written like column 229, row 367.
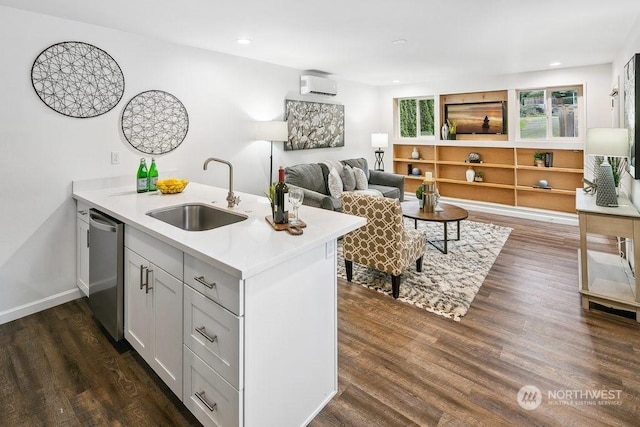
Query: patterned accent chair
column 383, row 243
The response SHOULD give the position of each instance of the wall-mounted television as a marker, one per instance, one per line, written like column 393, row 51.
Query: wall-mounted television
column 489, row 118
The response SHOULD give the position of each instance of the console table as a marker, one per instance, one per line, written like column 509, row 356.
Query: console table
column 606, row 278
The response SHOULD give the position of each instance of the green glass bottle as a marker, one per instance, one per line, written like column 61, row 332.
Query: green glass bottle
column 142, row 178
column 153, row 175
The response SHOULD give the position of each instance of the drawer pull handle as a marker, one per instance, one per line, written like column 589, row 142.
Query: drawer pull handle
column 147, row 281
column 142, row 269
column 202, row 331
column 200, row 396
column 204, row 282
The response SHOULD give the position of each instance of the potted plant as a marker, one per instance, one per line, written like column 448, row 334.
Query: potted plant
column 419, row 196
column 479, row 177
column 618, row 167
column 453, row 125
column 538, row 157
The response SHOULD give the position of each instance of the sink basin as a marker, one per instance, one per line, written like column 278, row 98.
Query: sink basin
column 196, row 216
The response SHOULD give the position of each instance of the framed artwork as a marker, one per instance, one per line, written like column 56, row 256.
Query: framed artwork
column 313, row 125
column 631, row 108
column 155, row 122
column 478, row 117
column 77, row 79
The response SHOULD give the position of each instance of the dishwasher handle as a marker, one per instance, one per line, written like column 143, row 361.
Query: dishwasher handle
column 101, row 223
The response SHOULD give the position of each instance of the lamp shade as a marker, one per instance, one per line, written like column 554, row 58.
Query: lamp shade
column 607, row 142
column 271, row 131
column 379, row 140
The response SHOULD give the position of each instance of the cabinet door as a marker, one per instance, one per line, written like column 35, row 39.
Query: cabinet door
column 166, row 351
column 82, row 256
column 137, row 304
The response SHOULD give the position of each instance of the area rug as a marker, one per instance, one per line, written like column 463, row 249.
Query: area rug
column 448, row 282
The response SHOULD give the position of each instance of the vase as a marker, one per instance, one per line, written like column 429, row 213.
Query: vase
column 445, row 132
column 414, row 154
column 470, row 174
column 452, row 136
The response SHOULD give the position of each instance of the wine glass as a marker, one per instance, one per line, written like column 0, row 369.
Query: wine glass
column 436, row 207
column 296, row 196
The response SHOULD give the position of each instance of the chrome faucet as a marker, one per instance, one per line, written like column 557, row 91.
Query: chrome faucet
column 231, row 199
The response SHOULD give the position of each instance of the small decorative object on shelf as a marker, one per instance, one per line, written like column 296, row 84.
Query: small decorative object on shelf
column 470, row 174
column 414, row 154
column 539, row 158
column 479, row 177
column 473, row 158
column 445, row 132
column 409, row 169
column 543, row 183
column 415, row 171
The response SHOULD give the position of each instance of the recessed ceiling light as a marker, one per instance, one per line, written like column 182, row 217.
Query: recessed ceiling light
column 554, row 64
column 244, row 41
column 399, row 41
column 395, row 81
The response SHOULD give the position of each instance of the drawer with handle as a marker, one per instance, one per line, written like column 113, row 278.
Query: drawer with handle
column 215, row 284
column 208, row 396
column 213, row 333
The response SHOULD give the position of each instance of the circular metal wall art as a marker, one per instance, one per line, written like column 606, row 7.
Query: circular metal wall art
column 77, row 79
column 155, row 122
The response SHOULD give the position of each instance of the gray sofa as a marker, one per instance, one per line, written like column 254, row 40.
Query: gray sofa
column 313, row 179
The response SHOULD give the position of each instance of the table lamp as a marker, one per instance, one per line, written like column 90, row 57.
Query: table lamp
column 379, row 140
column 606, row 142
column 271, row 131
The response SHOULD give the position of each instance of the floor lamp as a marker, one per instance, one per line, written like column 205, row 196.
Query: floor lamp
column 379, row 140
column 271, row 131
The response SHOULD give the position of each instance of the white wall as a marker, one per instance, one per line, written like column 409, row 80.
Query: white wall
column 631, row 47
column 42, row 151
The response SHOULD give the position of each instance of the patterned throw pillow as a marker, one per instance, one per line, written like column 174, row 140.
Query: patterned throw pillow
column 361, row 179
column 348, row 178
column 335, row 183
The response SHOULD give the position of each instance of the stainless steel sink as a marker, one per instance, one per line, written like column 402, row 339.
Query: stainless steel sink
column 196, row 216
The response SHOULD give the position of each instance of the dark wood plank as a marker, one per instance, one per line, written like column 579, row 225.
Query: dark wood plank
column 398, row 365
column 525, row 326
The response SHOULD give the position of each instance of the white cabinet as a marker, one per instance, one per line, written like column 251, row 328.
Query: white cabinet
column 82, row 247
column 261, row 351
column 153, row 305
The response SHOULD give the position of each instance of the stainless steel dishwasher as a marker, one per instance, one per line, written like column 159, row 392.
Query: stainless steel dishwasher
column 106, row 272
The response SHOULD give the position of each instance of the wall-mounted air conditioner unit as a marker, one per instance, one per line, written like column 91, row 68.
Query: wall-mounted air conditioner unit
column 318, row 85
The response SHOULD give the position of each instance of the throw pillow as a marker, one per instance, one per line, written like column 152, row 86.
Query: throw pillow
column 335, row 183
column 348, row 178
column 361, row 179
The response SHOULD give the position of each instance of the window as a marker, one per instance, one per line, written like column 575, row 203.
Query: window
column 415, row 117
column 550, row 113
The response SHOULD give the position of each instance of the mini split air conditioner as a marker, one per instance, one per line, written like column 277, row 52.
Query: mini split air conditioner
column 318, row 85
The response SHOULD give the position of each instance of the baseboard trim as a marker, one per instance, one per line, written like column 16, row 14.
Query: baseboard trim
column 514, row 211
column 37, row 306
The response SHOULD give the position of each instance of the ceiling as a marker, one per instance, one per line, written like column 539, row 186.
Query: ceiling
column 353, row 39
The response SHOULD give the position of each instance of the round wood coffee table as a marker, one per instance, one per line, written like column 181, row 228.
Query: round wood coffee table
column 449, row 213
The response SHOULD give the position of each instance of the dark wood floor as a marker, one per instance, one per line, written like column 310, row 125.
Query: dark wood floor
column 398, row 365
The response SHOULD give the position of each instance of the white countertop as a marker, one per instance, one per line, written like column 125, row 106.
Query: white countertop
column 242, row 249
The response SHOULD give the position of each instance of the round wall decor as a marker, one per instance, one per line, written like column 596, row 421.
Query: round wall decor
column 155, row 122
column 77, row 79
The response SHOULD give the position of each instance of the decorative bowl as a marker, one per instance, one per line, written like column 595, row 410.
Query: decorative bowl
column 171, row 185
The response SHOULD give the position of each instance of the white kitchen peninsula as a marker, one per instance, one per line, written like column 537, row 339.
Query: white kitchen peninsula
column 273, row 360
